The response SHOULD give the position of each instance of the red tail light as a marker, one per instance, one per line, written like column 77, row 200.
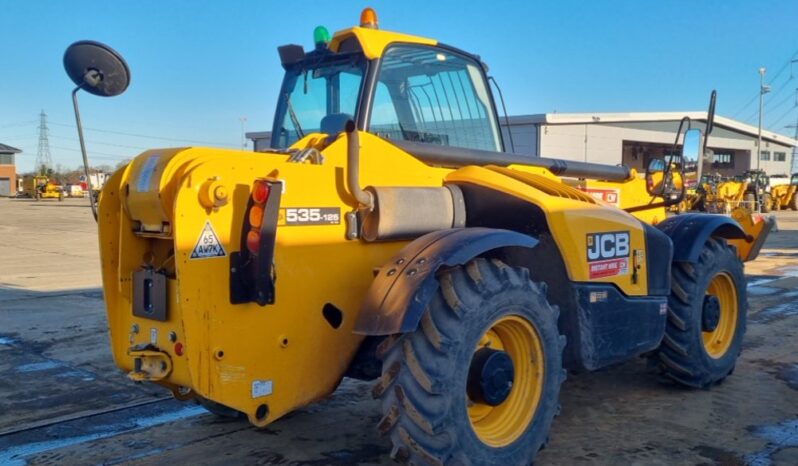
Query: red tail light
column 260, row 192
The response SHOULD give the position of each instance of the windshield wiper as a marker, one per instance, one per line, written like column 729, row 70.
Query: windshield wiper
column 292, row 114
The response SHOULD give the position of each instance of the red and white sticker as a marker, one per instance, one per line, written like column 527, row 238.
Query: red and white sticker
column 610, row 196
column 609, row 268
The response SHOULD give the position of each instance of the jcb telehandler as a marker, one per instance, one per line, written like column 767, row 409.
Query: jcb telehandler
column 388, row 236
column 784, row 195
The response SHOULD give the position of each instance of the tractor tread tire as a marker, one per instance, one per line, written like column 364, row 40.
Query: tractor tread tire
column 794, row 202
column 423, row 382
column 681, row 355
column 219, row 410
column 767, row 203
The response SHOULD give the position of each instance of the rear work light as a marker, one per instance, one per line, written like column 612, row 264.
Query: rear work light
column 252, row 272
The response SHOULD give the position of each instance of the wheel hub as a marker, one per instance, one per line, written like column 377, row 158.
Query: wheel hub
column 490, row 377
column 710, row 315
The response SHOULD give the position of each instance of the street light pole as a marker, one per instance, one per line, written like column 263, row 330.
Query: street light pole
column 243, row 120
column 762, row 92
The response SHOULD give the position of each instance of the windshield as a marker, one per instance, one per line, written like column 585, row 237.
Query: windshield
column 318, row 95
column 436, row 96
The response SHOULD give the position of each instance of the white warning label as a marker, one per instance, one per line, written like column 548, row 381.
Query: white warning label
column 208, row 244
column 262, row 388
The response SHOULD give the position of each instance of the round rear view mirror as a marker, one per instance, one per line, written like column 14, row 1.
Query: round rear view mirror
column 96, row 68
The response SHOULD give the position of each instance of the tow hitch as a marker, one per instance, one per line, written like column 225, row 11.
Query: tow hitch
column 149, row 364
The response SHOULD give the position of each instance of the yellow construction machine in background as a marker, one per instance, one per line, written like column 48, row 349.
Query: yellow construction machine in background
column 784, row 195
column 41, row 187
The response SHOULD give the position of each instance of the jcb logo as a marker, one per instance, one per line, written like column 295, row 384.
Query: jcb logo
column 601, row 246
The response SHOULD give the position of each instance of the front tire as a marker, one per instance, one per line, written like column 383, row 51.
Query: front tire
column 436, row 410
column 706, row 317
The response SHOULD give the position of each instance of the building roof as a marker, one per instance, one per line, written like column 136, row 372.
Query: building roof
column 4, row 149
column 582, row 118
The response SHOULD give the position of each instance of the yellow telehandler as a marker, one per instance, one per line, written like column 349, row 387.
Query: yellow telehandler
column 783, row 196
column 387, row 236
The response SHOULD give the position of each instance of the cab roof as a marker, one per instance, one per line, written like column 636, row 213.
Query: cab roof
column 373, row 42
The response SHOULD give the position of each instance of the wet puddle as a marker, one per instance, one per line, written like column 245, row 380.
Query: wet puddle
column 777, row 312
column 15, row 447
column 779, row 437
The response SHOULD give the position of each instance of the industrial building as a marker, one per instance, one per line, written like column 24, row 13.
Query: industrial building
column 632, row 139
column 8, row 170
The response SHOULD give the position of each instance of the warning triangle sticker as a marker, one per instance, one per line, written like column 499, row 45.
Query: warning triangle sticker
column 208, row 244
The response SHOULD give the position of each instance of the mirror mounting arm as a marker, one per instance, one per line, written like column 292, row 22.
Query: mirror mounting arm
column 83, row 149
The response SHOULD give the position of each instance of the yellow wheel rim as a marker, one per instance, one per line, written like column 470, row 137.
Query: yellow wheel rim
column 718, row 341
column 501, row 425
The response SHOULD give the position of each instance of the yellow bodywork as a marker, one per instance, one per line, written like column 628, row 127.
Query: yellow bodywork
column 783, row 196
column 374, row 41
column 755, row 226
column 626, row 194
column 726, row 196
column 232, row 351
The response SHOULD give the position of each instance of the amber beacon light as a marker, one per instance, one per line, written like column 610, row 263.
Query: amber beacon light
column 368, row 19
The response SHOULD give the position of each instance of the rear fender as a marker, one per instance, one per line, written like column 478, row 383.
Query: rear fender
column 404, row 286
column 689, row 232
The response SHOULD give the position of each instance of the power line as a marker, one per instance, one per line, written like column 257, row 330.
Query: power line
column 21, row 123
column 96, row 154
column 121, row 133
column 781, row 102
column 753, row 99
column 93, row 142
column 786, row 64
column 789, row 110
column 770, row 108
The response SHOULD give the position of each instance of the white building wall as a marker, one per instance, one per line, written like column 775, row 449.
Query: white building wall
column 603, row 143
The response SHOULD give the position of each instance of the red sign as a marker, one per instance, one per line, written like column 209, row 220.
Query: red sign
column 610, row 196
column 609, row 268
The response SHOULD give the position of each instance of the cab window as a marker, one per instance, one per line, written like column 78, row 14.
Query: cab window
column 432, row 95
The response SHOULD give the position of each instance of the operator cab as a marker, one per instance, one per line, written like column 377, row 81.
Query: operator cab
column 396, row 86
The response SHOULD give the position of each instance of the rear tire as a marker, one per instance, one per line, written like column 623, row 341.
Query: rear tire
column 750, row 201
column 219, row 410
column 691, row 352
column 794, row 201
column 766, row 203
column 427, row 410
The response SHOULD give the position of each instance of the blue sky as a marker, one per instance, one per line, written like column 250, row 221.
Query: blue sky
column 199, row 66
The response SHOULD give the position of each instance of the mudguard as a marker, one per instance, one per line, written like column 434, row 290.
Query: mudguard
column 401, row 290
column 689, row 232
